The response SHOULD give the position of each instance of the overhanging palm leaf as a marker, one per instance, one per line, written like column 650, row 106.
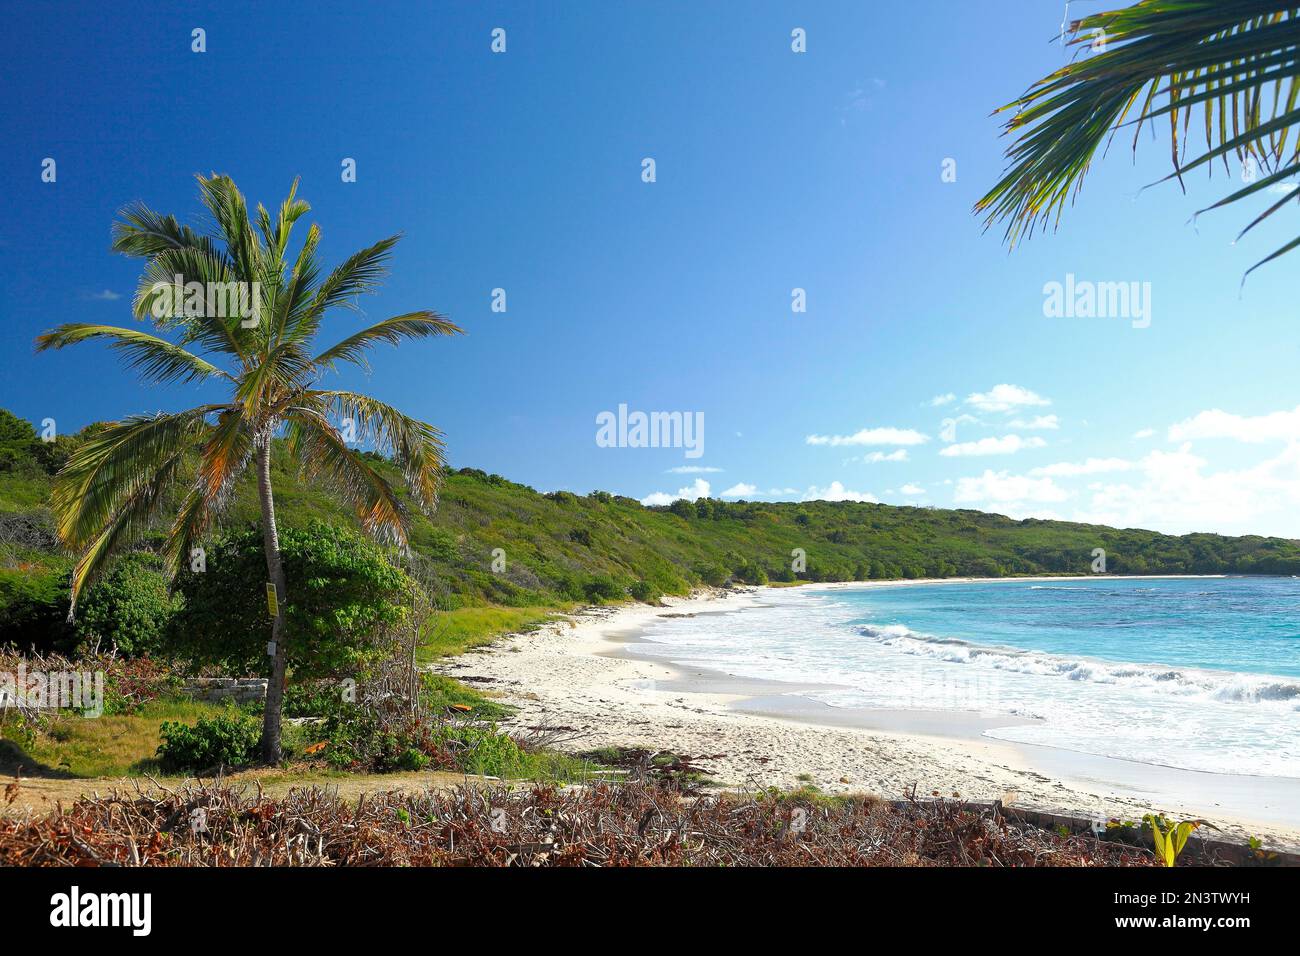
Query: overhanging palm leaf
column 156, row 359
column 416, row 325
column 1232, row 61
column 117, row 483
column 318, row 443
column 414, row 445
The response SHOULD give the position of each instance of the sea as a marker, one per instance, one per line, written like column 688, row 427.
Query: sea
column 1195, row 673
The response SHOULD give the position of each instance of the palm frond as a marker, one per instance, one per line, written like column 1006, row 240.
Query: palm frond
column 1235, row 61
column 226, row 204
column 157, row 360
column 416, row 446
column 413, row 325
column 143, row 233
column 112, row 467
column 134, row 513
column 324, row 455
column 224, row 456
column 358, row 274
column 161, row 297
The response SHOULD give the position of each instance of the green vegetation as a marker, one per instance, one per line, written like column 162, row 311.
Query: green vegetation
column 1226, row 68
column 341, row 592
column 223, row 741
column 128, row 608
column 243, row 307
column 113, row 745
column 460, row 629
column 625, row 551
column 1169, row 837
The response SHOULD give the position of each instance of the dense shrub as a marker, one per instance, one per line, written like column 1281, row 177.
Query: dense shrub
column 317, row 698
column 342, row 592
column 127, row 609
column 359, row 740
column 34, row 611
column 17, row 441
column 603, row 588
column 645, row 592
column 356, row 739
column 226, row 740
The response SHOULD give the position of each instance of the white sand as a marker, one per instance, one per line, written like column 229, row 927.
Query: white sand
column 563, row 675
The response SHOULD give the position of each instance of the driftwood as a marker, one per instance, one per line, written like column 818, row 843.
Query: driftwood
column 634, row 823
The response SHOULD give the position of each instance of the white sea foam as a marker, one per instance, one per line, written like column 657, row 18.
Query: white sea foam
column 1211, row 720
column 1188, row 682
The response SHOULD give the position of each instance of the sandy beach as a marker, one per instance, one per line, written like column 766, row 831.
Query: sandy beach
column 583, row 674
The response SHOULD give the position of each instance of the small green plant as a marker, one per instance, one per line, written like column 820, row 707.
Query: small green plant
column 645, row 592
column 1170, row 837
column 226, row 740
column 1258, row 852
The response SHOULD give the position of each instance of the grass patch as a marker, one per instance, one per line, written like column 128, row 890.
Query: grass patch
column 442, row 693
column 807, row 793
column 108, row 746
column 468, row 627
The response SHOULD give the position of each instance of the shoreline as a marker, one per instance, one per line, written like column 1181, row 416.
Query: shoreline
column 583, row 674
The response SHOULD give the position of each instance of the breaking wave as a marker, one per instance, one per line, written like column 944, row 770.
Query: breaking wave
column 1221, row 686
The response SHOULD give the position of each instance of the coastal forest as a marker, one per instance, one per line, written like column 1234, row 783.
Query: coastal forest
column 495, row 543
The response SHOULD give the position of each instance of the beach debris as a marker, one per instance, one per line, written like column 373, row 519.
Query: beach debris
column 645, row 822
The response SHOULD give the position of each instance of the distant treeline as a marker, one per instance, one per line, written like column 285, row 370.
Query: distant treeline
column 559, row 547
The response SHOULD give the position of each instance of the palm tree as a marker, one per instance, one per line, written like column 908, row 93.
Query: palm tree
column 117, row 483
column 1233, row 62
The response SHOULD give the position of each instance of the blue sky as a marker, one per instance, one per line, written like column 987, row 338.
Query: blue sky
column 774, row 171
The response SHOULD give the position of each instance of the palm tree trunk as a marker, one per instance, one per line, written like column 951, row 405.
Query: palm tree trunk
column 275, row 569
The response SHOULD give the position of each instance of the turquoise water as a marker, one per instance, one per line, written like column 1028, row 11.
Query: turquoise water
column 1202, row 674
column 1249, row 625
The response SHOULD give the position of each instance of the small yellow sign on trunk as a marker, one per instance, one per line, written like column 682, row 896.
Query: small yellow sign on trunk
column 272, row 601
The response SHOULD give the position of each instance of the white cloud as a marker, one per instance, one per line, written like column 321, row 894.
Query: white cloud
column 1144, row 433
column 698, row 489
column 939, row 400
column 783, row 491
column 1005, row 398
column 1093, row 466
column 837, row 492
column 692, row 470
column 1037, row 422
column 1006, row 445
column 1174, row 493
column 1016, row 496
column 740, row 490
column 1275, row 426
column 107, row 295
column 913, row 489
column 1284, row 189
column 871, row 436
column 879, row 456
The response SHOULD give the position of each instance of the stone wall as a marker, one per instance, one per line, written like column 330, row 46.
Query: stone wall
column 217, row 689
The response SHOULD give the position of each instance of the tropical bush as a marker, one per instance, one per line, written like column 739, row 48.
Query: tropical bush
column 603, row 588
column 644, row 592
column 226, row 740
column 342, row 593
column 128, row 609
column 34, row 610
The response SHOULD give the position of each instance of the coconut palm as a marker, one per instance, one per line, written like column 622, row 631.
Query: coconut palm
column 117, row 483
column 1230, row 64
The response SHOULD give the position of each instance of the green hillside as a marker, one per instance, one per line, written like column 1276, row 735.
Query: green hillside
column 559, row 548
